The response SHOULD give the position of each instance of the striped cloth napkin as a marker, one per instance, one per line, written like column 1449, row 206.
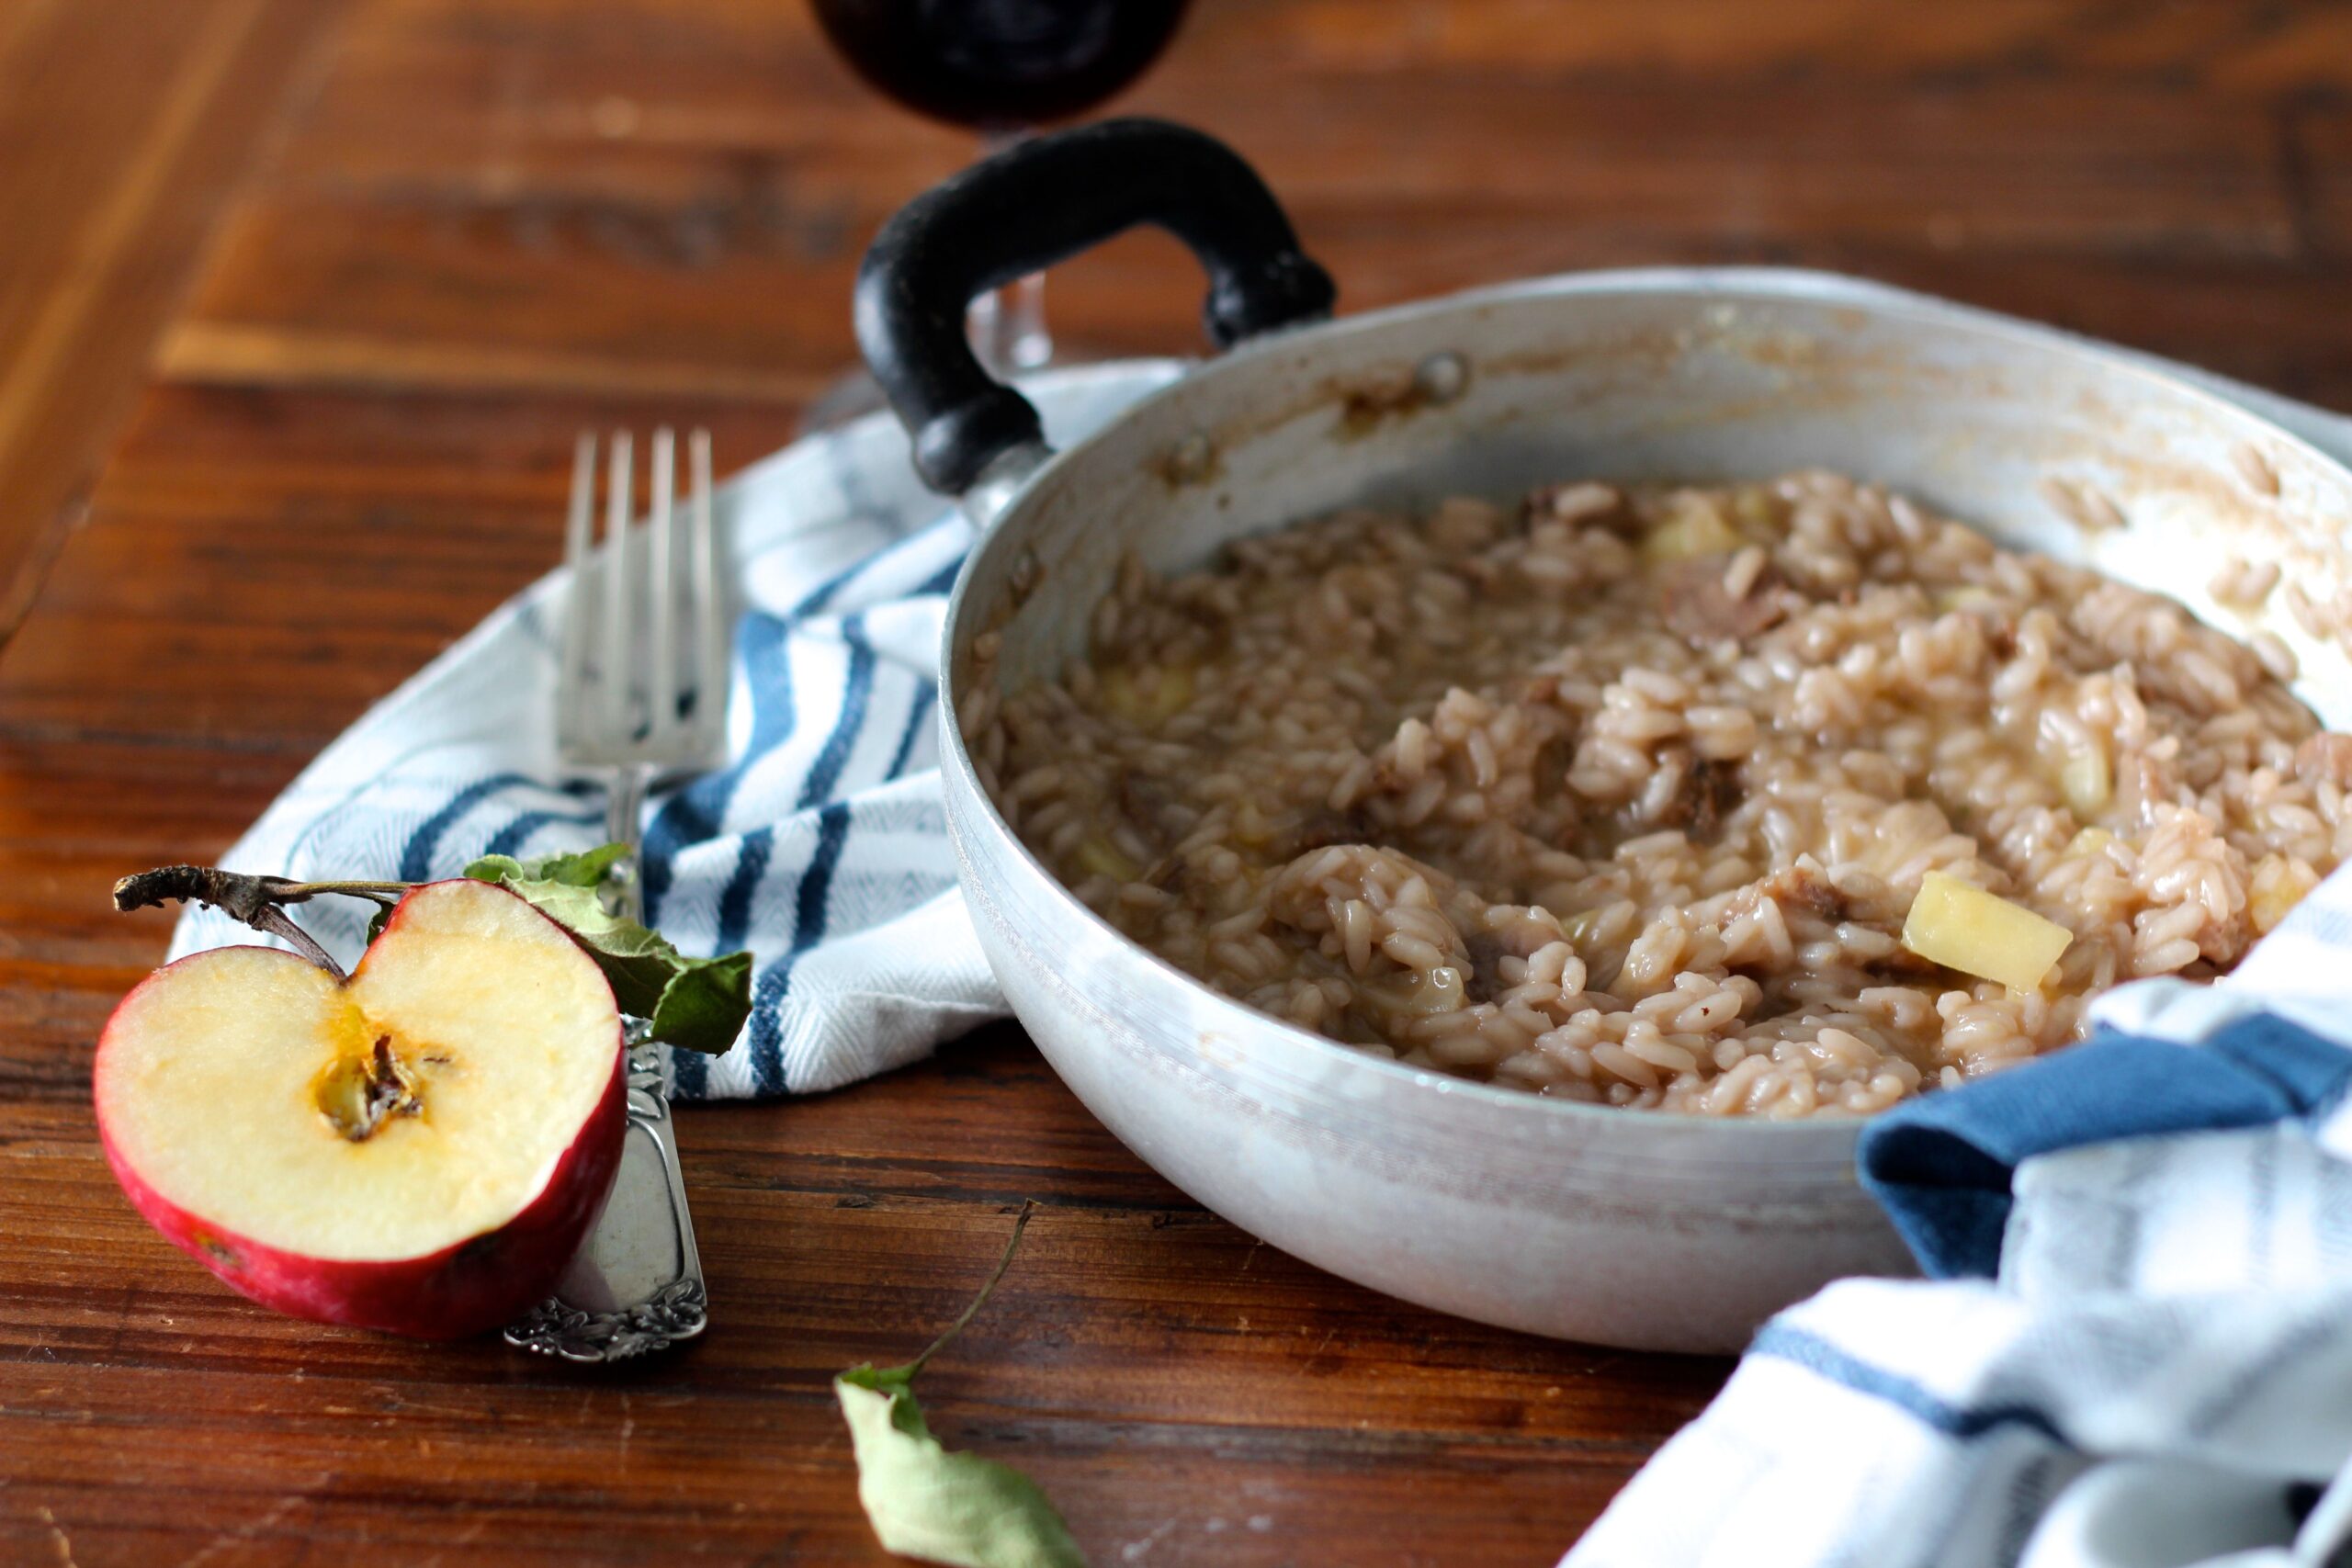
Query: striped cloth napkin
column 821, row 847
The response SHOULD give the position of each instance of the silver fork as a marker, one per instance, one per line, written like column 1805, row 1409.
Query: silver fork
column 642, row 688
column 640, row 693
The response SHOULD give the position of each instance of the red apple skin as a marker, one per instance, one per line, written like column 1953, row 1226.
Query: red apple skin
column 482, row 1283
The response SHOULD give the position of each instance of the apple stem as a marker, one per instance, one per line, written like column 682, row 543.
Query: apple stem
column 384, row 893
column 258, row 901
column 1011, row 1243
column 279, row 923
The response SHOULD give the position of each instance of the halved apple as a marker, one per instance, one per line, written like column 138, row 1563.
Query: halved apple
column 419, row 1149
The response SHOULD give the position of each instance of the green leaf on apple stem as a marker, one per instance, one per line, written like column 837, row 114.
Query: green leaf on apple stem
column 587, row 869
column 927, row 1503
column 697, row 1004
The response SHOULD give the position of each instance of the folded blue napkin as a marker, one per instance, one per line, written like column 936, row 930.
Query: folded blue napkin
column 1942, row 1166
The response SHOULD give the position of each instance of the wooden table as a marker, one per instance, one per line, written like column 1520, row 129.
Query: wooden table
column 303, row 301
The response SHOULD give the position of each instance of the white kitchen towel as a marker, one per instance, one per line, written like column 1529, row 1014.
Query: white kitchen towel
column 820, row 846
column 2159, row 1372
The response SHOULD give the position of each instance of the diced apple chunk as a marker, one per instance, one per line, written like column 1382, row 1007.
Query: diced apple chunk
column 1149, row 697
column 2278, row 884
column 1752, row 505
column 1577, row 929
column 1695, row 529
column 2087, row 781
column 2089, row 842
column 1103, row 858
column 1980, row 933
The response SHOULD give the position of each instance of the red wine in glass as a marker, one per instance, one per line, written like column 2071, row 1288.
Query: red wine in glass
column 1000, row 66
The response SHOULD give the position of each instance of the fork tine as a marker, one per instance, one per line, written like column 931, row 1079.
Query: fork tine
column 579, row 602
column 709, row 622
column 619, row 628
column 662, row 623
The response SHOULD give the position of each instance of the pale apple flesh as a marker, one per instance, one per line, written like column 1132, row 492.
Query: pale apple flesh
column 419, row 1149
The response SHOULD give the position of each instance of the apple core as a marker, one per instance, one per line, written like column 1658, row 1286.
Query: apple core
column 357, row 1093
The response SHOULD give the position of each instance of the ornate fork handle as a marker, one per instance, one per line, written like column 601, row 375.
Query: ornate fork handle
column 632, row 1288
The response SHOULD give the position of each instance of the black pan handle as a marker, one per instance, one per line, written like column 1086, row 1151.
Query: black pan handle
column 1039, row 202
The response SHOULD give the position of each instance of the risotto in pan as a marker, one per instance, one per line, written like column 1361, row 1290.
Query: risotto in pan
column 1776, row 800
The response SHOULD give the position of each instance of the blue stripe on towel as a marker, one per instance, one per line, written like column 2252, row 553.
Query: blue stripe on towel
column 917, row 712
column 517, row 833
column 735, row 898
column 825, row 772
column 767, row 1027
column 817, row 598
column 737, row 901
column 416, row 854
column 816, row 883
column 1819, row 1357
column 808, row 930
column 693, row 814
column 689, row 1074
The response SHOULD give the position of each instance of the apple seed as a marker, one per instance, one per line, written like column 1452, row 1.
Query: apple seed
column 358, row 1093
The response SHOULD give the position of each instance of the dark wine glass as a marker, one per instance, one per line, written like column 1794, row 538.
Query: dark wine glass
column 1001, row 67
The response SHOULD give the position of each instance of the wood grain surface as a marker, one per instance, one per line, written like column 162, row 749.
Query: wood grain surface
column 431, row 239
column 124, row 130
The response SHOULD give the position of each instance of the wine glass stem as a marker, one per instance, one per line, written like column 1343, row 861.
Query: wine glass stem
column 1009, row 326
column 1022, row 342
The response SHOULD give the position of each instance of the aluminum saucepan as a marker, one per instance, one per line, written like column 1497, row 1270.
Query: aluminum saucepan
column 1626, row 1228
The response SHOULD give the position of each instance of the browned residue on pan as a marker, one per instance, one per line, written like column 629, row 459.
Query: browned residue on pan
column 1829, row 364
column 1195, row 460
column 1370, row 401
